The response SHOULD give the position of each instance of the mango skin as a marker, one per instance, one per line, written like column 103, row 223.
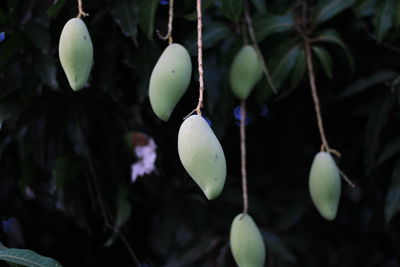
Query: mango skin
column 169, row 80
column 245, row 72
column 325, row 185
column 75, row 50
column 246, row 242
column 202, row 156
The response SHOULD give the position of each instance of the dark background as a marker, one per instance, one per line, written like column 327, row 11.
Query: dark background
column 70, row 148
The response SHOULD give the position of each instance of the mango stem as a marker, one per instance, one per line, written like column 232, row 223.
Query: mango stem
column 243, row 154
column 80, row 9
column 200, row 58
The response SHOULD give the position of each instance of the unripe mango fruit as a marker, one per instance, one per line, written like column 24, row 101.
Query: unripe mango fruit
column 76, row 53
column 246, row 71
column 202, row 156
column 325, row 185
column 247, row 244
column 169, row 80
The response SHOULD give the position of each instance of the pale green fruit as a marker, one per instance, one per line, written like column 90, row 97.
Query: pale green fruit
column 76, row 53
column 246, row 70
column 169, row 80
column 325, row 185
column 247, row 244
column 202, row 156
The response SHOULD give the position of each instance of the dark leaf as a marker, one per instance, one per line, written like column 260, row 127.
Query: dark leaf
column 125, row 15
column 327, row 9
column 392, row 202
column 232, row 9
column 377, row 120
column 204, row 5
column 55, row 8
column 363, row 84
column 366, row 7
column 285, row 66
column 298, row 69
column 268, row 24
column 260, row 6
column 324, row 59
column 38, row 34
column 384, row 18
column 331, row 36
column 146, row 12
column 277, row 247
column 47, row 71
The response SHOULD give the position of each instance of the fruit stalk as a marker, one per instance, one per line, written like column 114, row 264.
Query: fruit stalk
column 243, row 154
column 255, row 44
column 80, row 9
column 200, row 58
column 314, row 93
column 170, row 21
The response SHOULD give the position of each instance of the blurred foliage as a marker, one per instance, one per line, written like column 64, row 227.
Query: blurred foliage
column 65, row 162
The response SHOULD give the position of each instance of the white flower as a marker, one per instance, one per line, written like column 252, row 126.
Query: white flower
column 147, row 156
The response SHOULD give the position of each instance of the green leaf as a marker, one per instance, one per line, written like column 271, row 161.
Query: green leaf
column 325, row 60
column 285, row 66
column 125, row 15
column 331, row 36
column 384, row 18
column 397, row 15
column 232, row 9
column 147, row 11
column 392, row 202
column 298, row 69
column 26, row 257
column 366, row 82
column 55, row 8
column 267, row 24
column 327, row 9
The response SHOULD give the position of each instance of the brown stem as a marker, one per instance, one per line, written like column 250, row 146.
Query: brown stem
column 80, row 9
column 200, row 58
column 311, row 76
column 255, row 44
column 170, row 21
column 243, row 154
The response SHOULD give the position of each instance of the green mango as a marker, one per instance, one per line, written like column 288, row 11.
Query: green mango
column 76, row 53
column 247, row 244
column 325, row 185
column 169, row 80
column 245, row 72
column 202, row 156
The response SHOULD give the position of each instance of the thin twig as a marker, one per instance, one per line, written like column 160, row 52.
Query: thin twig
column 200, row 58
column 108, row 219
column 347, row 179
column 311, row 76
column 170, row 21
column 80, row 9
column 243, row 154
column 255, row 44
